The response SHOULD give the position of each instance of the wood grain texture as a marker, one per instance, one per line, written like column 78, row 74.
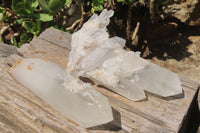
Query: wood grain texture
column 57, row 37
column 7, row 50
column 22, row 111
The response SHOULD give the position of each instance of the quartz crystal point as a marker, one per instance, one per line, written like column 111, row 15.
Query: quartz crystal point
column 103, row 59
column 77, row 100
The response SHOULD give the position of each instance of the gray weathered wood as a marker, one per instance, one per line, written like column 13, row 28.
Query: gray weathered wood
column 22, row 111
column 7, row 50
column 58, row 37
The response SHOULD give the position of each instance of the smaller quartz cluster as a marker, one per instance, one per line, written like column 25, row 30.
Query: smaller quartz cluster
column 104, row 59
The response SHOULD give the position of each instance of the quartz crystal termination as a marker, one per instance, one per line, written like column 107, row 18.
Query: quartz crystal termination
column 67, row 94
column 104, row 60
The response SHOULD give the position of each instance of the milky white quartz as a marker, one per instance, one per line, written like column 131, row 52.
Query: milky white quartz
column 103, row 59
column 77, row 100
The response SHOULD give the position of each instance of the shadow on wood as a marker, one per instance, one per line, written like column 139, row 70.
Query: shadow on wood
column 191, row 121
column 114, row 125
column 179, row 96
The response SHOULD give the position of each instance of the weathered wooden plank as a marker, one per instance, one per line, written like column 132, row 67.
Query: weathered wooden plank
column 164, row 115
column 38, row 48
column 7, row 50
column 188, row 82
column 58, row 37
column 20, row 108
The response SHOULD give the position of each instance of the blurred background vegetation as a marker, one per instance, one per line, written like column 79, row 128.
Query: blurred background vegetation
column 154, row 27
column 22, row 20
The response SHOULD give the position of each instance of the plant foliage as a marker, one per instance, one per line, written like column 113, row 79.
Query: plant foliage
column 3, row 15
column 32, row 14
column 52, row 6
column 24, row 8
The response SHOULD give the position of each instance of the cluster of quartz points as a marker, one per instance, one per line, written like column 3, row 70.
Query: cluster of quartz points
column 102, row 59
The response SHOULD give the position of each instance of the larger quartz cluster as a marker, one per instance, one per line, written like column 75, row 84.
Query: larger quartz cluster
column 104, row 60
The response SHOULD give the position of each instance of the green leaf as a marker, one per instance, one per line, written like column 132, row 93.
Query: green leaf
column 132, row 0
column 98, row 2
column 56, row 5
column 2, row 10
column 44, row 5
column 24, row 8
column 3, row 18
column 14, row 42
column 1, row 40
column 98, row 8
column 20, row 44
column 33, row 27
column 23, row 37
column 11, row 24
column 52, row 6
column 29, row 39
column 54, row 26
column 3, row 15
column 88, row 3
column 34, row 4
column 44, row 17
column 19, row 21
column 92, row 10
column 66, row 2
column 123, row 1
column 97, row 5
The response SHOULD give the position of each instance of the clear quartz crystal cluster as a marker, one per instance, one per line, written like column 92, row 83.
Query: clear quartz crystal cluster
column 103, row 59
column 77, row 100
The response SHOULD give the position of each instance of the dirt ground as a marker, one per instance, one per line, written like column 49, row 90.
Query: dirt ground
column 175, row 48
column 188, row 66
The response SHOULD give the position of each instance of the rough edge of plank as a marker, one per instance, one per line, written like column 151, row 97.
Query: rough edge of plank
column 58, row 37
column 188, row 82
column 7, row 50
column 192, row 117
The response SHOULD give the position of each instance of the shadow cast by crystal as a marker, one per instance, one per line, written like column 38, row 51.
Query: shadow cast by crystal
column 114, row 125
column 178, row 96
